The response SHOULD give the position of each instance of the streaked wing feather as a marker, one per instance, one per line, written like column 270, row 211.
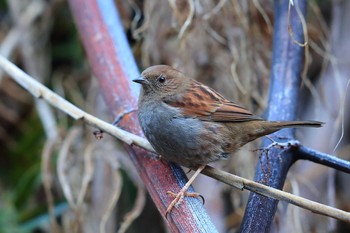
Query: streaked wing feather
column 229, row 111
column 206, row 104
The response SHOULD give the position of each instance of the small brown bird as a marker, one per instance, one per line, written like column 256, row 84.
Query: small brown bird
column 192, row 125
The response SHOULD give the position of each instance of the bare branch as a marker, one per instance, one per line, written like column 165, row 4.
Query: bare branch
column 241, row 183
column 322, row 158
column 41, row 91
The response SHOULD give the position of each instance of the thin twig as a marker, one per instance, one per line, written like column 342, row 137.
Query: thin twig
column 87, row 177
column 188, row 21
column 114, row 199
column 32, row 40
column 12, row 38
column 47, row 181
column 241, row 183
column 215, row 10
column 342, row 114
column 290, row 30
column 263, row 14
column 136, row 210
column 41, row 91
column 61, row 167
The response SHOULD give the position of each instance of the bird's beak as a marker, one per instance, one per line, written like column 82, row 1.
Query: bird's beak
column 141, row 80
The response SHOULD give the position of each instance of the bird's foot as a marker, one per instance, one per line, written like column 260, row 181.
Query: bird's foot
column 178, row 197
column 183, row 192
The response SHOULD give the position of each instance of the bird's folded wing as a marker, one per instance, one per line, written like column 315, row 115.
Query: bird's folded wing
column 206, row 104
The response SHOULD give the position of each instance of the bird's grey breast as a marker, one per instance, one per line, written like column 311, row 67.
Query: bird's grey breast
column 168, row 131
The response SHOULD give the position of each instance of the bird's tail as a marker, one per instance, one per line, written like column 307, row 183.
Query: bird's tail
column 273, row 126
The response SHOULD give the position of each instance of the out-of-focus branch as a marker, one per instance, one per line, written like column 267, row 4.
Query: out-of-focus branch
column 331, row 107
column 286, row 70
column 11, row 40
column 32, row 40
column 39, row 91
column 332, row 161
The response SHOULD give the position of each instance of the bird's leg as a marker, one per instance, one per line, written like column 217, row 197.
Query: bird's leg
column 183, row 192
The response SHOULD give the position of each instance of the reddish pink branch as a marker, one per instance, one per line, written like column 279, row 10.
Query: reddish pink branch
column 113, row 65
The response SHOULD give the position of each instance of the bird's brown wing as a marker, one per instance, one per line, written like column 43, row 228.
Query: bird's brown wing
column 206, row 104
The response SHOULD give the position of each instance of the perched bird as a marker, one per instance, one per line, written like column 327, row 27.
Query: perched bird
column 192, row 125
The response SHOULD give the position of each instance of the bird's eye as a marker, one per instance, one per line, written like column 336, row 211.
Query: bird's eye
column 161, row 79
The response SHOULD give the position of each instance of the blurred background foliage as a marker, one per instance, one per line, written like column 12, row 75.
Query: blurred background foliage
column 58, row 178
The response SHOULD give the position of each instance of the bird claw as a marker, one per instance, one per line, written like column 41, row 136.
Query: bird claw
column 203, row 199
column 178, row 197
column 183, row 192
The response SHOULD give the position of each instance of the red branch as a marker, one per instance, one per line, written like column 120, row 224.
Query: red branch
column 103, row 38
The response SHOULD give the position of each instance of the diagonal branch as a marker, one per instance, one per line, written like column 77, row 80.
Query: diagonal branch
column 52, row 98
column 122, row 72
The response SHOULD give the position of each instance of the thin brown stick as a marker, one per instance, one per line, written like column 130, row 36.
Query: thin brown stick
column 136, row 210
column 40, row 91
column 87, row 176
column 61, row 167
column 113, row 200
column 47, row 181
column 241, row 183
